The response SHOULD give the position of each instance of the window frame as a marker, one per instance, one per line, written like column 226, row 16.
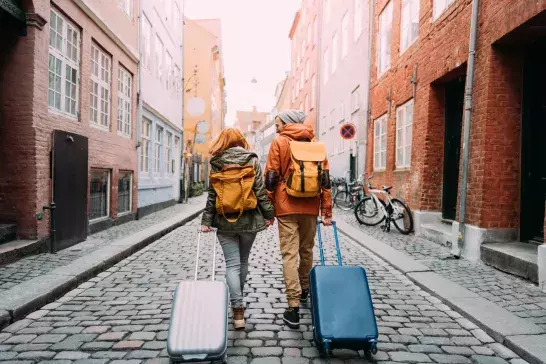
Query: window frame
column 130, row 175
column 355, row 99
column 125, row 107
column 384, row 39
column 64, row 56
column 357, row 20
column 103, row 105
column 169, row 153
column 401, row 139
column 379, row 149
column 147, row 43
column 437, row 12
column 108, row 194
column 406, row 24
column 145, row 148
column 158, row 148
column 345, row 35
column 335, row 51
column 127, row 7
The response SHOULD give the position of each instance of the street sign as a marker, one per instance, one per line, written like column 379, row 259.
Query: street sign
column 347, row 131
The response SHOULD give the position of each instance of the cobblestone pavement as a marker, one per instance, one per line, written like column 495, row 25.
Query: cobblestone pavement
column 122, row 315
column 37, row 265
column 515, row 294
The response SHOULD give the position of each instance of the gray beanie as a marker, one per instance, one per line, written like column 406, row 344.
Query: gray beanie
column 292, row 116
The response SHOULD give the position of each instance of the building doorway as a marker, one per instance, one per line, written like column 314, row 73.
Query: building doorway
column 533, row 144
column 454, row 103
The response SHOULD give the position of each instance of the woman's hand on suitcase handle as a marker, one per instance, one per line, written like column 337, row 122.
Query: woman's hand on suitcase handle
column 269, row 222
column 206, row 229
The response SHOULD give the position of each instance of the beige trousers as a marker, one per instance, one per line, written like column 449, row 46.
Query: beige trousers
column 297, row 239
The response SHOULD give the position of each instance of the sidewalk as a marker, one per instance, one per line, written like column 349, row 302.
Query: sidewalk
column 510, row 309
column 22, row 283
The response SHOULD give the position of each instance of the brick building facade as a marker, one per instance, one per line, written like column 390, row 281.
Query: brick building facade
column 415, row 139
column 304, row 35
column 75, row 72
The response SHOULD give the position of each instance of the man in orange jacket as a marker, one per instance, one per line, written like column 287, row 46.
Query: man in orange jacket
column 297, row 217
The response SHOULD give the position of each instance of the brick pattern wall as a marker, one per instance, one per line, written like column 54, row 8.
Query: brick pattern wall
column 29, row 124
column 440, row 53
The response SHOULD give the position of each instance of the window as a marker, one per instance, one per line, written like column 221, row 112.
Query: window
column 146, row 146
column 158, row 148
column 327, row 10
column 345, row 36
column 358, row 19
column 309, row 30
column 342, row 112
column 125, row 183
column 384, row 41
column 409, row 30
column 126, row 6
column 355, row 100
column 307, row 103
column 313, row 92
column 178, row 80
column 307, row 69
column 159, row 56
column 440, row 6
column 101, row 71
column 380, row 143
column 125, row 87
column 323, row 125
column 326, row 62
column 404, row 122
column 332, row 118
column 64, row 64
column 146, row 42
column 168, row 71
column 100, row 195
column 334, row 52
column 169, row 154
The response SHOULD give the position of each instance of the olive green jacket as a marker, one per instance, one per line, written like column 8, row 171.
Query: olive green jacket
column 251, row 220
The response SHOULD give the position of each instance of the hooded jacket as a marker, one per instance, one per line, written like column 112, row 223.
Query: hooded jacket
column 276, row 170
column 251, row 220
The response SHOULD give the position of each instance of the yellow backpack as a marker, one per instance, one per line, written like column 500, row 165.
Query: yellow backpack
column 233, row 186
column 305, row 170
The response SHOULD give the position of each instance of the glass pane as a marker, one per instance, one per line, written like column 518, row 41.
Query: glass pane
column 409, row 135
column 400, row 156
column 58, row 66
column 408, row 155
column 383, row 142
column 51, row 98
column 399, row 136
column 383, row 159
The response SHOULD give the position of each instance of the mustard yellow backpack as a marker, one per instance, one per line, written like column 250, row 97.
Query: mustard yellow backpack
column 305, row 170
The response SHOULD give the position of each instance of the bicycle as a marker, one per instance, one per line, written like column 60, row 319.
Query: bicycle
column 392, row 210
column 348, row 196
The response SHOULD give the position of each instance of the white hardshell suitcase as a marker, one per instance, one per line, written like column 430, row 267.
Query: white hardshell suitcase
column 199, row 318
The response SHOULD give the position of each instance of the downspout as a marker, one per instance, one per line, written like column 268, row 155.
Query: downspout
column 182, row 171
column 371, row 27
column 458, row 248
column 139, row 95
column 319, row 67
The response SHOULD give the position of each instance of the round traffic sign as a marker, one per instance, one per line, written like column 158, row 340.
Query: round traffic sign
column 347, row 131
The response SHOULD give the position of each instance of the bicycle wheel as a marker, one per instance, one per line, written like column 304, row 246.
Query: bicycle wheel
column 402, row 217
column 368, row 213
column 343, row 201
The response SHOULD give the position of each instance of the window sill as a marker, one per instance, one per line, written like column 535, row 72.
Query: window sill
column 380, row 170
column 123, row 135
column 100, row 219
column 100, row 127
column 402, row 170
column 125, row 213
column 58, row 112
column 402, row 52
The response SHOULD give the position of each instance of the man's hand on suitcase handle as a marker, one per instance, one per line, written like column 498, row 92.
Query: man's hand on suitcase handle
column 326, row 221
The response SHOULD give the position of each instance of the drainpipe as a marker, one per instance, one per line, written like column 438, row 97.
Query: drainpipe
column 320, row 11
column 182, row 170
column 371, row 27
column 458, row 248
column 139, row 93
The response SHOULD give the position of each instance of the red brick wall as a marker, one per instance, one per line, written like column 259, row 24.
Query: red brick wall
column 441, row 52
column 27, row 109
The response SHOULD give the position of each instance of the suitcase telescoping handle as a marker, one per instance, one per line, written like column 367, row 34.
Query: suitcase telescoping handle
column 321, row 249
column 213, row 252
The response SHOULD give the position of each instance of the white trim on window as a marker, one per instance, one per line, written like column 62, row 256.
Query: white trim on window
column 158, row 148
column 64, row 65
column 332, row 119
column 159, row 57
column 169, row 153
column 128, row 176
column 355, row 100
column 146, row 43
column 145, row 147
column 100, row 95
column 404, row 132
column 104, row 203
column 384, row 40
column 439, row 7
column 380, row 143
column 409, row 25
column 125, row 91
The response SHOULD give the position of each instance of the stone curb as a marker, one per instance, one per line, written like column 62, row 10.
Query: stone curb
column 19, row 301
column 524, row 338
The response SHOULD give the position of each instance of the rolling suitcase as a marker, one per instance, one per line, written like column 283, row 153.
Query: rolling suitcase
column 199, row 318
column 341, row 306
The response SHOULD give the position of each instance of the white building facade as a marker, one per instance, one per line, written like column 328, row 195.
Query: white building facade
column 344, row 70
column 160, row 129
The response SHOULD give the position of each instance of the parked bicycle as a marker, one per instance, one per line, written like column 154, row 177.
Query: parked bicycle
column 372, row 211
column 349, row 194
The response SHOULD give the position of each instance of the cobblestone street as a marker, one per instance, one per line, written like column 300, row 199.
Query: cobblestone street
column 122, row 315
column 40, row 264
column 517, row 295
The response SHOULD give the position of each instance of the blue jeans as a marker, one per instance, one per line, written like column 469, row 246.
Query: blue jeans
column 236, row 247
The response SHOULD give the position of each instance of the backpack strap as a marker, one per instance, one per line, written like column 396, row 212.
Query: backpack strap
column 220, row 195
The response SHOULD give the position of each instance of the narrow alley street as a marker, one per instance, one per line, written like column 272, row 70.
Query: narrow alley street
column 122, row 315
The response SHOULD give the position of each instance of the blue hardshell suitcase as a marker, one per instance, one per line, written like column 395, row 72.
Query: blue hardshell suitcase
column 342, row 308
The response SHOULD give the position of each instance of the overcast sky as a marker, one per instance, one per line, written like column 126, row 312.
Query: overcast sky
column 255, row 45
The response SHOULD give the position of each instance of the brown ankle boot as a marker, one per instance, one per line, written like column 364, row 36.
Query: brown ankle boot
column 239, row 318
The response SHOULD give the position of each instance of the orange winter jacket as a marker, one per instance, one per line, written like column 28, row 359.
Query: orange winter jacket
column 277, row 169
